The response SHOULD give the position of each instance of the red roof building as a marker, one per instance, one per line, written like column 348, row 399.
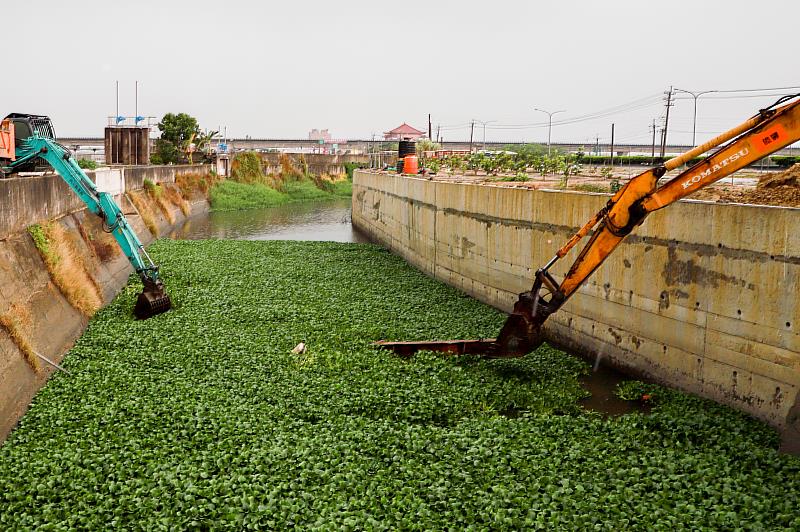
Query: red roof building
column 403, row 132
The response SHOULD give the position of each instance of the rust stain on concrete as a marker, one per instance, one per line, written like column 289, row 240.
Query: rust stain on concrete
column 685, row 272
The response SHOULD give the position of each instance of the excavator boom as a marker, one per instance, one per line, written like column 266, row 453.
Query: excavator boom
column 153, row 299
column 767, row 132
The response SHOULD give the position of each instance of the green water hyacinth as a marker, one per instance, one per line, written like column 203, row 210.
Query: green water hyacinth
column 202, row 418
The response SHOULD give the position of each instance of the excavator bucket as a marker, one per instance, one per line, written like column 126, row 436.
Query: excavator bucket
column 517, row 338
column 152, row 301
column 521, row 334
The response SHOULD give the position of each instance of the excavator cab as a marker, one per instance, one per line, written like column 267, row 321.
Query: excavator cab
column 26, row 125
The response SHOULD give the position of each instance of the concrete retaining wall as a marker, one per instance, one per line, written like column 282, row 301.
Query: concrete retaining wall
column 26, row 284
column 703, row 296
column 318, row 163
column 135, row 176
column 26, row 200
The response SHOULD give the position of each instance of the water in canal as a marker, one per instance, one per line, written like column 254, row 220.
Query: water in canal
column 326, row 220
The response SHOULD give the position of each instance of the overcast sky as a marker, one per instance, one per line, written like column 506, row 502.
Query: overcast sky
column 278, row 69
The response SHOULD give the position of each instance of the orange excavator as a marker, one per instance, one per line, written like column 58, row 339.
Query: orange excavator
column 770, row 130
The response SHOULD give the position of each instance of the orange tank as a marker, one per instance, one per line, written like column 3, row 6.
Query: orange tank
column 7, row 140
column 410, row 164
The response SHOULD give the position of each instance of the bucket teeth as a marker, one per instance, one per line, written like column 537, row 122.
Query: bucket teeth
column 151, row 303
column 517, row 338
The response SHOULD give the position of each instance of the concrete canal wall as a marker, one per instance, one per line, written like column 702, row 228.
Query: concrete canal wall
column 318, row 163
column 33, row 309
column 703, row 296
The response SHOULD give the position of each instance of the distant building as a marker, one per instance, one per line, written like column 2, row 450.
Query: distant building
column 319, row 134
column 403, row 132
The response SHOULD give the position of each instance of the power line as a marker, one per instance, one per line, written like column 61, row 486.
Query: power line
column 759, row 90
column 634, row 105
column 742, row 97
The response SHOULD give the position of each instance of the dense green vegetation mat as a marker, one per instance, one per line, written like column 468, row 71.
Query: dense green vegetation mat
column 202, row 418
column 231, row 195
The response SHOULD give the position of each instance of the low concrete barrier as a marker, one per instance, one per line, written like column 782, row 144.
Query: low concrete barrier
column 703, row 296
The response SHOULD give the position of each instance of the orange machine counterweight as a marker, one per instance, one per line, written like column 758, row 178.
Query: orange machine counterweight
column 7, row 140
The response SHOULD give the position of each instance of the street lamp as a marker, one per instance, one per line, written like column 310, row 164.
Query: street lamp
column 694, row 95
column 550, row 126
column 482, row 122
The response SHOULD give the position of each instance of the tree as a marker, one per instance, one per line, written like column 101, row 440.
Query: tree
column 178, row 128
column 569, row 165
column 165, row 153
column 177, row 133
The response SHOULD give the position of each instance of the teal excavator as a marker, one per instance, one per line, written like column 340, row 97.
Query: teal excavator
column 28, row 141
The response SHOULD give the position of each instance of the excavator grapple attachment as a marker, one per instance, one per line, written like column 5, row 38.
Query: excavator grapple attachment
column 520, row 335
column 453, row 347
column 152, row 301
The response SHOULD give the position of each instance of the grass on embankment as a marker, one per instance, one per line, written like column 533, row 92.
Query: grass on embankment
column 230, row 195
column 250, row 187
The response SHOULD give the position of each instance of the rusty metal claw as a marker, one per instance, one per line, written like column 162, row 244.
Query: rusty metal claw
column 521, row 333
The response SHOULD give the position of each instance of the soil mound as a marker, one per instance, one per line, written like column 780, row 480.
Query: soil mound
column 790, row 178
column 780, row 189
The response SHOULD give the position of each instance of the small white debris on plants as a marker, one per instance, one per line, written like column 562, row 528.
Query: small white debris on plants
column 299, row 349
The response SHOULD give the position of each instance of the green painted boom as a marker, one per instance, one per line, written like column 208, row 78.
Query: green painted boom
column 100, row 203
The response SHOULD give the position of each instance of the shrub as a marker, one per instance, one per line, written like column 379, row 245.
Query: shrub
column 588, row 187
column 246, row 168
column 349, row 168
column 154, row 189
column 519, row 176
column 87, row 164
column 288, row 169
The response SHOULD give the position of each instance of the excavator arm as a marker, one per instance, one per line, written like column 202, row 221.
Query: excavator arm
column 770, row 130
column 153, row 299
column 767, row 132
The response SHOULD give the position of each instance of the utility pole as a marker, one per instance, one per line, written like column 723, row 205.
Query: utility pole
column 471, row 131
column 666, row 124
column 438, row 129
column 430, row 136
column 612, row 144
column 695, row 95
column 597, row 145
column 653, row 151
column 550, row 125
column 483, row 123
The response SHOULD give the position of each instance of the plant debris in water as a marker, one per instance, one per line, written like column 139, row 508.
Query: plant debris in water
column 204, row 418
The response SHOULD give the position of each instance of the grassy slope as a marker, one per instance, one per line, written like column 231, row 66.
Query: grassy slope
column 202, row 417
column 231, row 195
